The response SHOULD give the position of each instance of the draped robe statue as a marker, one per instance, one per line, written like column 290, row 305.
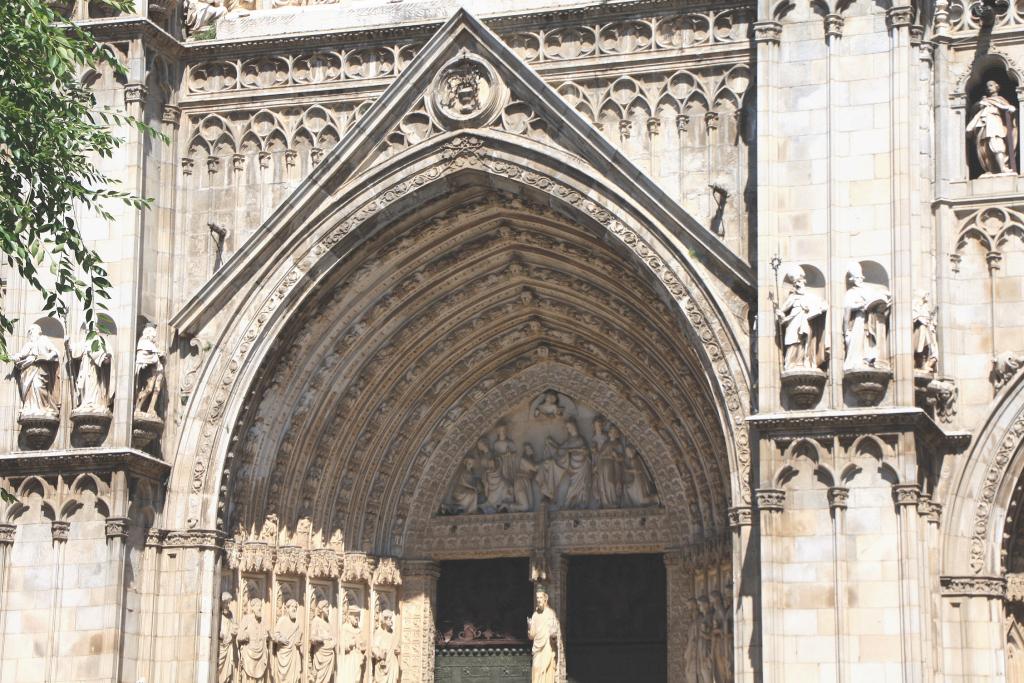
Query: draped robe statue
column 522, row 486
column 608, row 470
column 323, row 654
column 505, row 452
column 35, row 368
column 574, row 489
column 288, row 641
column 386, row 650
column 226, row 642
column 926, row 340
column 801, row 319
column 92, row 376
column 465, row 492
column 994, row 130
column 253, row 654
column 497, row 489
column 353, row 649
column 637, row 487
column 149, row 372
column 865, row 322
column 545, row 633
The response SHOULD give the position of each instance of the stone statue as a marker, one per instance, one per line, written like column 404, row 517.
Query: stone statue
column 505, row 451
column 465, row 492
column 926, row 341
column 522, row 485
column 385, row 650
column 608, row 470
column 721, row 639
column 253, row 653
column 323, row 651
column 497, row 489
column 287, row 638
column 202, row 13
column 865, row 322
column 92, row 376
column 705, row 640
column 637, row 487
column 801, row 319
column 549, row 406
column 575, row 486
column 550, row 471
column 226, row 644
column 994, row 131
column 35, row 369
column 353, row 648
column 149, row 372
column 544, row 631
column 598, row 425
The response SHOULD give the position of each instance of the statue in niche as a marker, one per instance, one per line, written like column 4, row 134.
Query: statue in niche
column 637, row 487
column 926, row 340
column 549, row 407
column 353, row 647
column 505, row 450
column 287, row 638
column 92, row 370
column 801, row 319
column 226, row 642
column 497, row 489
column 253, row 653
column 466, row 491
column 544, row 631
column 865, row 322
column 385, row 650
column 994, row 131
column 35, row 369
column 522, row 486
column 608, row 470
column 323, row 652
column 149, row 372
column 575, row 486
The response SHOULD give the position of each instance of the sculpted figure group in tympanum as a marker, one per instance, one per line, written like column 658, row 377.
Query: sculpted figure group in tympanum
column 501, row 473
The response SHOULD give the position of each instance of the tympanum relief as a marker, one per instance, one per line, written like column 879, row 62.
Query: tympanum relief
column 550, row 451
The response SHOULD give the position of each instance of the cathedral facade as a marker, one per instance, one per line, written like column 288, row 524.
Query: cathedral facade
column 673, row 341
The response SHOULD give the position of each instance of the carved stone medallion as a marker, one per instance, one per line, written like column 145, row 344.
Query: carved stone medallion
column 466, row 93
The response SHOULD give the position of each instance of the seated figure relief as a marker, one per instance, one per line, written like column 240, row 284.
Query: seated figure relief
column 538, row 455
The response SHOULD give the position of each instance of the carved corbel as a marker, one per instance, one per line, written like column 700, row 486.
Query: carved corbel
column 838, row 498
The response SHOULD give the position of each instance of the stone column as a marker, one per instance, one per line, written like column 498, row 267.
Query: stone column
column 60, row 529
column 679, row 593
column 418, row 607
column 906, row 497
column 746, row 642
column 838, row 498
column 7, row 535
column 770, row 505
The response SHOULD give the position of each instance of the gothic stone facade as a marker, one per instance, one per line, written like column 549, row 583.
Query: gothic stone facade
column 738, row 283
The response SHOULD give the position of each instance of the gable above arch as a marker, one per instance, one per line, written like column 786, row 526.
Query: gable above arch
column 466, row 79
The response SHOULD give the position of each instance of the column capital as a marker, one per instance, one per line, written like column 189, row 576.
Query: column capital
column 906, row 494
column 899, row 17
column 116, row 527
column 770, row 499
column 7, row 533
column 740, row 516
column 833, row 26
column 767, row 32
column 838, row 497
column 134, row 93
column 428, row 569
column 59, row 530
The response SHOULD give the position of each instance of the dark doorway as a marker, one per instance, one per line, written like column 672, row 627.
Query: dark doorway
column 482, row 607
column 615, row 619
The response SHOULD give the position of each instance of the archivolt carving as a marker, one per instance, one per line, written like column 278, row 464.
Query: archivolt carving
column 460, row 154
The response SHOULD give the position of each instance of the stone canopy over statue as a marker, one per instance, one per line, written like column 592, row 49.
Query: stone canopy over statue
column 553, row 451
column 993, row 133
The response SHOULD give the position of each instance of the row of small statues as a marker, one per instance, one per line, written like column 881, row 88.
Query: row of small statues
column 36, row 369
column 802, row 325
column 496, row 477
column 709, row 647
column 248, row 650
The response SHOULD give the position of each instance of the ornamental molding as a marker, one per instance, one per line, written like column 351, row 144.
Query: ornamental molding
column 201, row 539
column 311, row 253
column 973, row 586
column 95, row 460
column 994, row 476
